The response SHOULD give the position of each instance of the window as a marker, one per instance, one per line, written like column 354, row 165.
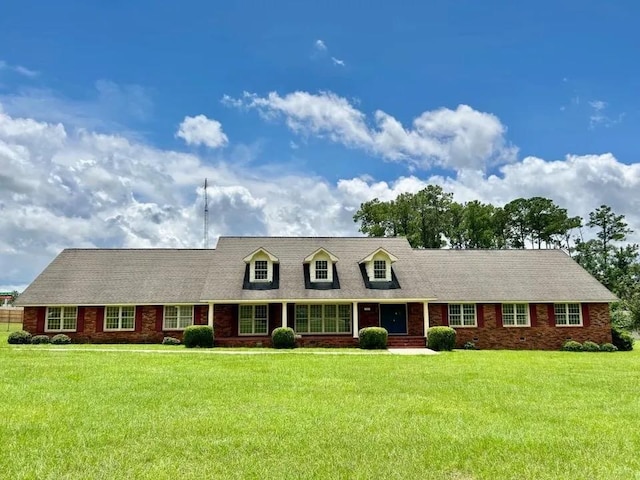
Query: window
column 253, row 320
column 177, row 317
column 462, row 314
column 380, row 269
column 323, row 318
column 119, row 318
column 568, row 314
column 261, row 270
column 61, row 319
column 515, row 315
column 322, row 270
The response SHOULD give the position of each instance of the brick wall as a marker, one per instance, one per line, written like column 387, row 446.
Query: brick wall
column 542, row 335
column 90, row 323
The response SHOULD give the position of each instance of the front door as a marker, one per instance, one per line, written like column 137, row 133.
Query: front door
column 393, row 317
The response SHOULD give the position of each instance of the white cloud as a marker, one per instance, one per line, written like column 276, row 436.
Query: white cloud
column 599, row 118
column 24, row 71
column 598, row 105
column 200, row 130
column 320, row 45
column 61, row 186
column 337, row 62
column 463, row 138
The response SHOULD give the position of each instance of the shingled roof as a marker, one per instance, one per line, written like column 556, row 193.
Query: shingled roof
column 161, row 276
column 225, row 279
column 120, row 276
column 509, row 276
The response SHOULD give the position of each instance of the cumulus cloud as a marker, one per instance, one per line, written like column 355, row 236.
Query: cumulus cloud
column 200, row 130
column 463, row 138
column 337, row 61
column 61, row 186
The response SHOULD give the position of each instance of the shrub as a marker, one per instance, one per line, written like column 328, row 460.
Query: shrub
column 608, row 347
column 283, row 337
column 19, row 337
column 621, row 339
column 441, row 338
column 198, row 336
column 170, row 341
column 61, row 339
column 36, row 339
column 571, row 346
column 590, row 347
column 469, row 346
column 373, row 338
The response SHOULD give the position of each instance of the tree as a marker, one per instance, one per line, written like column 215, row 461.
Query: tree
column 432, row 208
column 374, row 218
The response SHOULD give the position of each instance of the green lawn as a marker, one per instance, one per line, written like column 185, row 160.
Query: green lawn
column 71, row 413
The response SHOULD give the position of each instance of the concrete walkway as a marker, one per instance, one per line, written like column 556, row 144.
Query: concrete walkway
column 412, row 351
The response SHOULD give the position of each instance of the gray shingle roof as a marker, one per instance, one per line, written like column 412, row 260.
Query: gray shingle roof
column 225, row 279
column 110, row 276
column 160, row 276
column 509, row 275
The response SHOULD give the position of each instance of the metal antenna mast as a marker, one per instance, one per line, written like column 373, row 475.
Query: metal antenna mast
column 206, row 216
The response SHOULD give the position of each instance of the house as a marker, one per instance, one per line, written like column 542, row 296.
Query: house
column 325, row 288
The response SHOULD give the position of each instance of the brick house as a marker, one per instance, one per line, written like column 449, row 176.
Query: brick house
column 326, row 289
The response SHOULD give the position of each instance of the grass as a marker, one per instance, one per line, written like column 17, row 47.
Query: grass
column 71, row 413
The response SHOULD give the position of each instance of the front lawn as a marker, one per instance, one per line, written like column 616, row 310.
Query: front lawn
column 72, row 413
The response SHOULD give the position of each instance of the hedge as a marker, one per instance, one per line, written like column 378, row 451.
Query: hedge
column 441, row 338
column 373, row 338
column 198, row 336
column 283, row 337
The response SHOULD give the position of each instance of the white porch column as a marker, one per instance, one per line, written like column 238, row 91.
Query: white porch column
column 210, row 315
column 426, row 317
column 284, row 314
column 355, row 320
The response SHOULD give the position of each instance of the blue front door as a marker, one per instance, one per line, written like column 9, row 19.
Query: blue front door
column 393, row 317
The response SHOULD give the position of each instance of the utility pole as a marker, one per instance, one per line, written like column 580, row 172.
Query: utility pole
column 206, row 216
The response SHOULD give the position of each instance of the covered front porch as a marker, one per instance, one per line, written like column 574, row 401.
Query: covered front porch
column 316, row 323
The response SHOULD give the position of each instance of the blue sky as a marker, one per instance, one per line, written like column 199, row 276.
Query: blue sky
column 510, row 99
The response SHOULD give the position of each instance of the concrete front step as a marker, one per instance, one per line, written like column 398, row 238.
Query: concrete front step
column 406, row 342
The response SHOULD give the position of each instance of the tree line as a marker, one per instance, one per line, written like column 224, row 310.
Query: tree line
column 431, row 218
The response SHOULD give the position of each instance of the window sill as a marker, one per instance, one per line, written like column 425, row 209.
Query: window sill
column 565, row 326
column 516, row 326
column 463, row 326
column 60, row 331
column 119, row 330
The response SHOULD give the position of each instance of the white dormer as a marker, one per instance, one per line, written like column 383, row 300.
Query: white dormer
column 378, row 265
column 321, row 265
column 261, row 265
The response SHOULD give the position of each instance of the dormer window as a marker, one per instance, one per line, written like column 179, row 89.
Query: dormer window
column 380, row 269
column 261, row 270
column 319, row 268
column 322, row 270
column 376, row 270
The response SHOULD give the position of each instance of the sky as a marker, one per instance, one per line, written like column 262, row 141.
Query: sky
column 112, row 114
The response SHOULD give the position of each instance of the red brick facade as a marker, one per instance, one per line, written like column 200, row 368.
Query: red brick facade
column 543, row 334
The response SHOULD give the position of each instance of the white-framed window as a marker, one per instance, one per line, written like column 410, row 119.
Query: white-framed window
column 316, row 318
column 261, row 270
column 253, row 320
column 568, row 314
column 119, row 318
column 515, row 315
column 380, row 269
column 61, row 319
column 462, row 315
column 177, row 317
column 322, row 270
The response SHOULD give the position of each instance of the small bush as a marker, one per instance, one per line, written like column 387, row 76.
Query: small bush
column 283, row 337
column 61, row 339
column 441, row 338
column 19, row 337
column 608, row 347
column 621, row 339
column 36, row 339
column 590, row 347
column 170, row 341
column 572, row 346
column 198, row 336
column 469, row 346
column 373, row 338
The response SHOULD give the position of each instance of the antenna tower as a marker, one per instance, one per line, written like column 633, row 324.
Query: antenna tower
column 206, row 216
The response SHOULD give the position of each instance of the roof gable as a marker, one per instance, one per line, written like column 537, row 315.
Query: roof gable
column 259, row 251
column 331, row 256
column 380, row 250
